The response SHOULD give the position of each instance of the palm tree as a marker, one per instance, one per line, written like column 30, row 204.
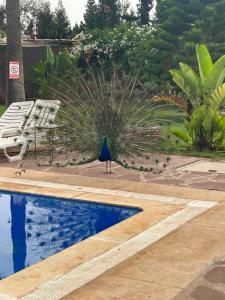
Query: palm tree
column 15, row 87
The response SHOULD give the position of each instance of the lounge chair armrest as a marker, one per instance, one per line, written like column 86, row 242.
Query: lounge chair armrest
column 10, row 131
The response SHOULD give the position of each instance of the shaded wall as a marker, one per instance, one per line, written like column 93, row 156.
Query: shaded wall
column 31, row 56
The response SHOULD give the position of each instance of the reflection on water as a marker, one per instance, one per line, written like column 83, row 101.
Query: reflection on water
column 18, row 231
column 35, row 227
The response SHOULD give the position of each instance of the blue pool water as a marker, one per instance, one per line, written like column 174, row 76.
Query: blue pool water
column 34, row 227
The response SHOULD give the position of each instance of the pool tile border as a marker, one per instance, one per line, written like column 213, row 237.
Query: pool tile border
column 77, row 188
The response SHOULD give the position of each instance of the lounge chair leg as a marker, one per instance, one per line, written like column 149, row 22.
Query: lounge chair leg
column 18, row 156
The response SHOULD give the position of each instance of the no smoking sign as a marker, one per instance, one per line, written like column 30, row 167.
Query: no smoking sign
column 14, row 70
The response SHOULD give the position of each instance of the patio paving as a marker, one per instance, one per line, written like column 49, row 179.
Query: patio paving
column 182, row 171
column 187, row 264
column 209, row 286
column 205, row 166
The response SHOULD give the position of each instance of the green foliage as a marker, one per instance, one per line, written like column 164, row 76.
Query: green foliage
column 45, row 22
column 199, row 88
column 169, row 38
column 109, row 13
column 205, row 127
column 126, row 12
column 91, row 15
column 217, row 24
column 2, row 21
column 28, row 10
column 51, row 69
column 129, row 46
column 2, row 109
column 144, row 8
column 105, row 14
column 62, row 23
column 174, row 19
column 53, row 25
column 204, row 131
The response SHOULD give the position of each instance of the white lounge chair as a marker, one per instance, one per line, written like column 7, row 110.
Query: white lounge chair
column 13, row 119
column 42, row 115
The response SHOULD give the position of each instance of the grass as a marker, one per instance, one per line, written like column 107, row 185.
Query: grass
column 170, row 113
column 2, row 109
column 173, row 150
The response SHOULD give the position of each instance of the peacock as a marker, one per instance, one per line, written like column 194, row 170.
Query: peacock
column 110, row 118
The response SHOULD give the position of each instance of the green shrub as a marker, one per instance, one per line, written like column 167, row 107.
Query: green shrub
column 204, row 127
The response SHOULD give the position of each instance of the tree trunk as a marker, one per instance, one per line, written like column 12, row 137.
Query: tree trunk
column 15, row 87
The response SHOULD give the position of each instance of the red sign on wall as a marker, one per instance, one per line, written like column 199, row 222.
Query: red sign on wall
column 14, row 70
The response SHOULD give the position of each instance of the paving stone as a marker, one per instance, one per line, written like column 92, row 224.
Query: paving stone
column 216, row 275
column 171, row 176
column 222, row 262
column 205, row 293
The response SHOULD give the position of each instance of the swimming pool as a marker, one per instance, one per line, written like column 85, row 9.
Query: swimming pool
column 34, row 227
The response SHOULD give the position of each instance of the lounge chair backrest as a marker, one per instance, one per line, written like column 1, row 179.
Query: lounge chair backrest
column 16, row 115
column 42, row 115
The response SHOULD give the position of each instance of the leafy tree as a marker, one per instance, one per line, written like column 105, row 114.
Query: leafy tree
column 109, row 13
column 2, row 21
column 126, row 12
column 217, row 29
column 144, row 8
column 28, row 12
column 45, row 22
column 53, row 67
column 62, row 24
column 52, row 25
column 173, row 19
column 91, row 16
column 130, row 47
column 77, row 29
column 178, row 26
column 30, row 28
column 105, row 14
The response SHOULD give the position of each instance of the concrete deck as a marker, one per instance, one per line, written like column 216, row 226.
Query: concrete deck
column 187, row 263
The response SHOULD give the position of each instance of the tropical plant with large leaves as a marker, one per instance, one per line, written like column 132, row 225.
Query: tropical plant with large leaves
column 198, row 87
column 205, row 130
column 55, row 69
column 204, row 127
